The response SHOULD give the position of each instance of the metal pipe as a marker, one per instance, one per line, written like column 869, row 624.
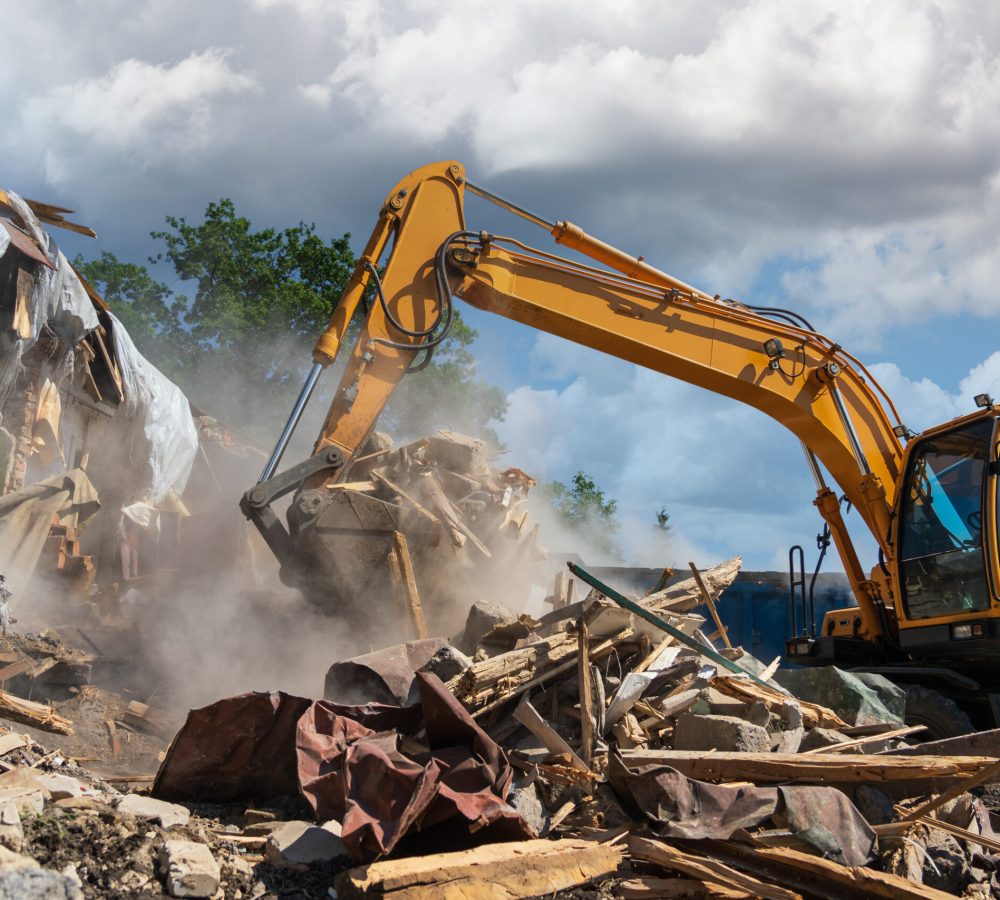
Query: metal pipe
column 510, row 207
column 293, row 420
column 852, row 435
column 813, row 463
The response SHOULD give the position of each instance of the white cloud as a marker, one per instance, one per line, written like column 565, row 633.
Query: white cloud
column 733, row 480
column 144, row 110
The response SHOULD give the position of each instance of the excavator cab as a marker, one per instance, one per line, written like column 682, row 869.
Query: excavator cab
column 946, row 601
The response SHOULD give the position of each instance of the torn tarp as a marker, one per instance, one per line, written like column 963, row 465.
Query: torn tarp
column 681, row 807
column 350, row 764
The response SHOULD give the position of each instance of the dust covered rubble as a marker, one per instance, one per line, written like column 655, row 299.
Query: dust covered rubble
column 586, row 747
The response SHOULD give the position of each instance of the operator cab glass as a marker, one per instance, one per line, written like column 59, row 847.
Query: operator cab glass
column 941, row 529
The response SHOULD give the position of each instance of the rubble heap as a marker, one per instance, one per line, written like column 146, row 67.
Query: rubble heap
column 588, row 746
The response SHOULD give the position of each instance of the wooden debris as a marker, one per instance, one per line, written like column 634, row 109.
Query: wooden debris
column 31, row 713
column 511, row 870
column 819, row 768
column 704, row 869
column 409, row 584
column 648, row 886
column 871, row 739
column 530, row 718
column 870, row 882
column 710, row 603
column 813, row 715
column 985, row 775
column 147, row 718
column 587, row 724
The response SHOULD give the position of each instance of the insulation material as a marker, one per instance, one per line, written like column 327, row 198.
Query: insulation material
column 45, row 435
column 26, row 515
column 161, row 411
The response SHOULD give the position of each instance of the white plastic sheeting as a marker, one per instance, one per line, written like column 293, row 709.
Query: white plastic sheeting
column 59, row 299
column 164, row 413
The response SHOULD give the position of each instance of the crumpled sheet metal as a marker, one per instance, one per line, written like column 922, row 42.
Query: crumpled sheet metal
column 681, row 807
column 385, row 675
column 348, row 764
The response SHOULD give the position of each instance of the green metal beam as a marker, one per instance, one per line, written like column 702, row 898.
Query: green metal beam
column 654, row 619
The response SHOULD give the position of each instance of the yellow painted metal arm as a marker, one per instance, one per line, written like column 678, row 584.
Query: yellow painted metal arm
column 645, row 316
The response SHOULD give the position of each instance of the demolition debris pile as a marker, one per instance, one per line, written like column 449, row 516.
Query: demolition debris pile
column 525, row 757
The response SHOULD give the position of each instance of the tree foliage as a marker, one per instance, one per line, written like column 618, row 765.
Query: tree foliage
column 585, row 510
column 663, row 520
column 240, row 344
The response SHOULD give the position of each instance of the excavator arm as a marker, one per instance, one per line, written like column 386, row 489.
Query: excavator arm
column 769, row 359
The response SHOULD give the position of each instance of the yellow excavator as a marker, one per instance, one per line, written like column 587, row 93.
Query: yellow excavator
column 927, row 615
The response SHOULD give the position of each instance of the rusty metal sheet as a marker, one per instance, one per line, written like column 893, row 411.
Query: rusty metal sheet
column 385, row 676
column 348, row 763
column 23, row 242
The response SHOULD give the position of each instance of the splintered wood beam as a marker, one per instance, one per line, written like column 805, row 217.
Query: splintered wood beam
column 586, row 696
column 510, row 870
column 409, row 583
column 820, row 768
column 704, row 869
column 710, row 603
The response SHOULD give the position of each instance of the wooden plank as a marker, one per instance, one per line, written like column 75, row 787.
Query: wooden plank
column 453, row 521
column 870, row 882
column 704, row 869
column 396, row 489
column 587, row 725
column 819, row 768
column 813, row 715
column 409, row 584
column 989, row 773
column 36, row 714
column 710, row 603
column 531, row 719
column 509, row 870
column 676, row 889
column 22, row 304
column 871, row 739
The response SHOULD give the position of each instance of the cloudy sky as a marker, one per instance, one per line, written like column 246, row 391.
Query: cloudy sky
column 841, row 158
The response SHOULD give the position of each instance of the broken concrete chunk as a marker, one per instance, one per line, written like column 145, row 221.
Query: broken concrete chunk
column 29, row 801
column 483, row 617
column 191, row 870
column 15, row 862
column 791, row 714
column 447, row 663
column 167, row 814
column 297, row 845
column 63, row 786
column 457, row 452
column 726, row 733
column 526, row 801
column 38, row 884
column 844, row 692
column 11, row 833
column 821, row 737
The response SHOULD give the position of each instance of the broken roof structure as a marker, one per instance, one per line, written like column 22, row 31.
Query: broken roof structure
column 77, row 399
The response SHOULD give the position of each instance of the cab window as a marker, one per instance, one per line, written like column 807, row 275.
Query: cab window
column 941, row 529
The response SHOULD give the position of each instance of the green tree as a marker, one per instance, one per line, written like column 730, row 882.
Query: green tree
column 663, row 520
column 585, row 510
column 146, row 307
column 260, row 298
column 241, row 344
